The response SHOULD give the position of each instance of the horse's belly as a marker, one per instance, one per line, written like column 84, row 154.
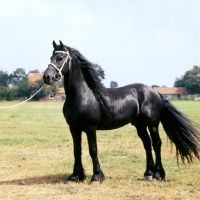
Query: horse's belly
column 116, row 121
column 120, row 116
column 112, row 125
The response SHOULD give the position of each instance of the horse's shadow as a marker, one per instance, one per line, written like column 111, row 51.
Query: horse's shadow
column 51, row 179
column 48, row 179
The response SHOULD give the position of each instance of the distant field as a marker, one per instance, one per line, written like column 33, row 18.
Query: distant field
column 36, row 153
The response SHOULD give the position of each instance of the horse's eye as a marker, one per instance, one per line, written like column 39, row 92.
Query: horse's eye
column 59, row 58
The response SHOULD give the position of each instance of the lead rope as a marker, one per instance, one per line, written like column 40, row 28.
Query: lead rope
column 23, row 101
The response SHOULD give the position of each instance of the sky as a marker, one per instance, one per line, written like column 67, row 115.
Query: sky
column 134, row 41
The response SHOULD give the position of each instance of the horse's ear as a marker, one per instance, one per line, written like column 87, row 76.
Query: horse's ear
column 61, row 45
column 55, row 46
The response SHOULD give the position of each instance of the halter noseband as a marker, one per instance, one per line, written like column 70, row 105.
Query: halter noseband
column 59, row 73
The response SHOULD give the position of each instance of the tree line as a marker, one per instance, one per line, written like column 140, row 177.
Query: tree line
column 17, row 86
column 190, row 80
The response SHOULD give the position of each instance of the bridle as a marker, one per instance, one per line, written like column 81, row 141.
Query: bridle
column 59, row 73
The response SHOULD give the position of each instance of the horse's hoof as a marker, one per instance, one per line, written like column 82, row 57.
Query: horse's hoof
column 98, row 177
column 75, row 178
column 156, row 178
column 148, row 178
column 95, row 183
column 159, row 179
column 159, row 176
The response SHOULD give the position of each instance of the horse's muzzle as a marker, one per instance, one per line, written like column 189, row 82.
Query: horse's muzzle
column 47, row 79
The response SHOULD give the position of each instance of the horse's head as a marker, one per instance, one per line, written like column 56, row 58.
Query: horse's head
column 59, row 65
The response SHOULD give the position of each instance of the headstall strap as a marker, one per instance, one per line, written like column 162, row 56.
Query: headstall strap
column 59, row 74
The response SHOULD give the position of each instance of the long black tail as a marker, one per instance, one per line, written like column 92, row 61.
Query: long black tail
column 181, row 131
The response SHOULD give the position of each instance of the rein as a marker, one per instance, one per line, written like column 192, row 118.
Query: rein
column 59, row 73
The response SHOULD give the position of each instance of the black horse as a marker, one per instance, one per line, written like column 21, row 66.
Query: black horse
column 89, row 106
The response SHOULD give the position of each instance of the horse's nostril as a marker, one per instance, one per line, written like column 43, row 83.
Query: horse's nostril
column 47, row 77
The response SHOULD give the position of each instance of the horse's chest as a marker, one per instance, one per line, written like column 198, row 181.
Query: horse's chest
column 82, row 114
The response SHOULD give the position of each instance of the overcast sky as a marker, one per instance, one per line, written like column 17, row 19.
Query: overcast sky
column 145, row 41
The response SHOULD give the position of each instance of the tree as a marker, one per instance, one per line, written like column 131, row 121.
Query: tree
column 100, row 71
column 3, row 92
column 23, row 90
column 18, row 75
column 190, row 80
column 153, row 86
column 113, row 84
column 9, row 96
column 4, row 83
column 4, row 78
column 180, row 82
column 61, row 82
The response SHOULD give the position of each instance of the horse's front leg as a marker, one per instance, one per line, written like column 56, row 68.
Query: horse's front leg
column 97, row 172
column 78, row 172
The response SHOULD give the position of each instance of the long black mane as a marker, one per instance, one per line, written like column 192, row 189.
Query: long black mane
column 91, row 78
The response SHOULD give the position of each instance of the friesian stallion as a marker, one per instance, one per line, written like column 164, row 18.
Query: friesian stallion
column 89, row 107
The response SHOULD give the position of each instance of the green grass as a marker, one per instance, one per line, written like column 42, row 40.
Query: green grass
column 33, row 123
column 37, row 157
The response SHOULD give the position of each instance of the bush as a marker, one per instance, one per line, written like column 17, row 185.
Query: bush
column 10, row 96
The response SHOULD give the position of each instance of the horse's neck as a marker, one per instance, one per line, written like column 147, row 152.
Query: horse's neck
column 74, row 82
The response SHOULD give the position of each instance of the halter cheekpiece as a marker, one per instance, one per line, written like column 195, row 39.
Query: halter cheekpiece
column 59, row 73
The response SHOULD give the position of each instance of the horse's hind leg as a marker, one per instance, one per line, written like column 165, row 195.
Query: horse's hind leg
column 143, row 134
column 159, row 172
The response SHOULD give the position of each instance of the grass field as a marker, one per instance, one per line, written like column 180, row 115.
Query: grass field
column 36, row 153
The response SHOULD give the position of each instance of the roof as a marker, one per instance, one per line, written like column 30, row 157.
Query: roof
column 171, row 90
column 61, row 91
column 33, row 77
